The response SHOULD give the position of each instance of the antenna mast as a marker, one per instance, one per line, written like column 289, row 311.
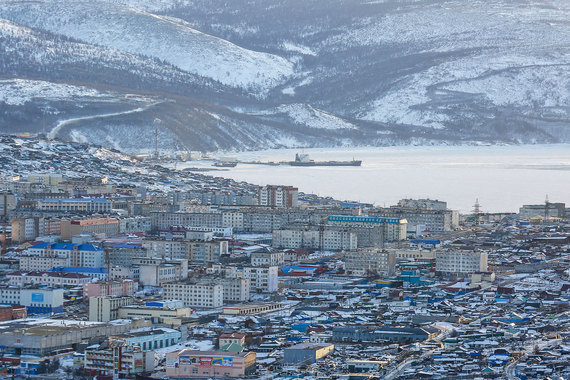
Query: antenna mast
column 477, row 211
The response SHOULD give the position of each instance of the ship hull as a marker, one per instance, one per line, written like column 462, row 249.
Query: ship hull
column 325, row 163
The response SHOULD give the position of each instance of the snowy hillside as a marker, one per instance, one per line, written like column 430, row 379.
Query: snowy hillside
column 166, row 38
column 286, row 73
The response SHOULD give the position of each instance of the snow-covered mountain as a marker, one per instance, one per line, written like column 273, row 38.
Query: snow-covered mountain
column 283, row 73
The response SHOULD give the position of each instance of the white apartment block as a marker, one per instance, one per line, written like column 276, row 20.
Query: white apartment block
column 266, row 259
column 262, row 279
column 135, row 224
column 361, row 262
column 236, row 289
column 233, row 219
column 328, row 239
column 100, row 205
column 195, row 295
column 106, row 308
column 460, row 262
column 42, row 263
column 170, row 249
column 53, row 279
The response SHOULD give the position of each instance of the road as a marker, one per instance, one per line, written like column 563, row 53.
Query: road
column 510, row 368
column 445, row 329
column 53, row 133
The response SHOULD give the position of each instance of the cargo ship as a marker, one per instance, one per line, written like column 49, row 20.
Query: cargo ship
column 225, row 164
column 302, row 159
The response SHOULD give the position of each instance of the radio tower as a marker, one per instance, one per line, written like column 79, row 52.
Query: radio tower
column 477, row 211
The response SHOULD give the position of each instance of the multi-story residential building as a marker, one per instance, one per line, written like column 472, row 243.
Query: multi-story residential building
column 262, row 279
column 124, row 287
column 432, row 220
column 77, row 205
column 205, row 295
column 393, row 229
column 366, row 261
column 164, row 220
column 233, row 219
column 204, row 253
column 135, row 224
column 26, row 229
column 123, row 361
column 235, row 289
column 460, row 262
column 278, row 196
column 171, row 249
column 267, row 257
column 157, row 271
column 188, row 363
column 313, row 237
column 124, row 254
column 75, row 227
column 43, row 263
column 106, row 308
column 78, row 255
column 53, row 279
column 36, row 300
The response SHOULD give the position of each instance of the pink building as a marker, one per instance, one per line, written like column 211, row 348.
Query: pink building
column 124, row 287
column 219, row 364
column 53, row 279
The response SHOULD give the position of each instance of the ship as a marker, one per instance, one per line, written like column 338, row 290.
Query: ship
column 302, row 159
column 225, row 164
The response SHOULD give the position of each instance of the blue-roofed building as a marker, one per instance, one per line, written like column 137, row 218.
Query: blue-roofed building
column 45, row 256
column 392, row 229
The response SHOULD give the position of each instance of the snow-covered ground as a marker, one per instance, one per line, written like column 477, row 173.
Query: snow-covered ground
column 21, row 91
column 167, row 38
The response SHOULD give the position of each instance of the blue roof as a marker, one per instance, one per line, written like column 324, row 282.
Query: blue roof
column 362, row 219
column 127, row 245
column 426, row 241
column 67, row 246
column 79, row 270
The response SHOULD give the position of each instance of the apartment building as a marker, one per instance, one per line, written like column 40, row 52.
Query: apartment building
column 262, row 279
column 267, row 257
column 78, row 255
column 106, row 308
column 362, row 262
column 278, row 196
column 55, row 279
column 77, row 205
column 460, row 262
column 392, row 229
column 100, row 226
column 203, row 295
column 312, row 237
